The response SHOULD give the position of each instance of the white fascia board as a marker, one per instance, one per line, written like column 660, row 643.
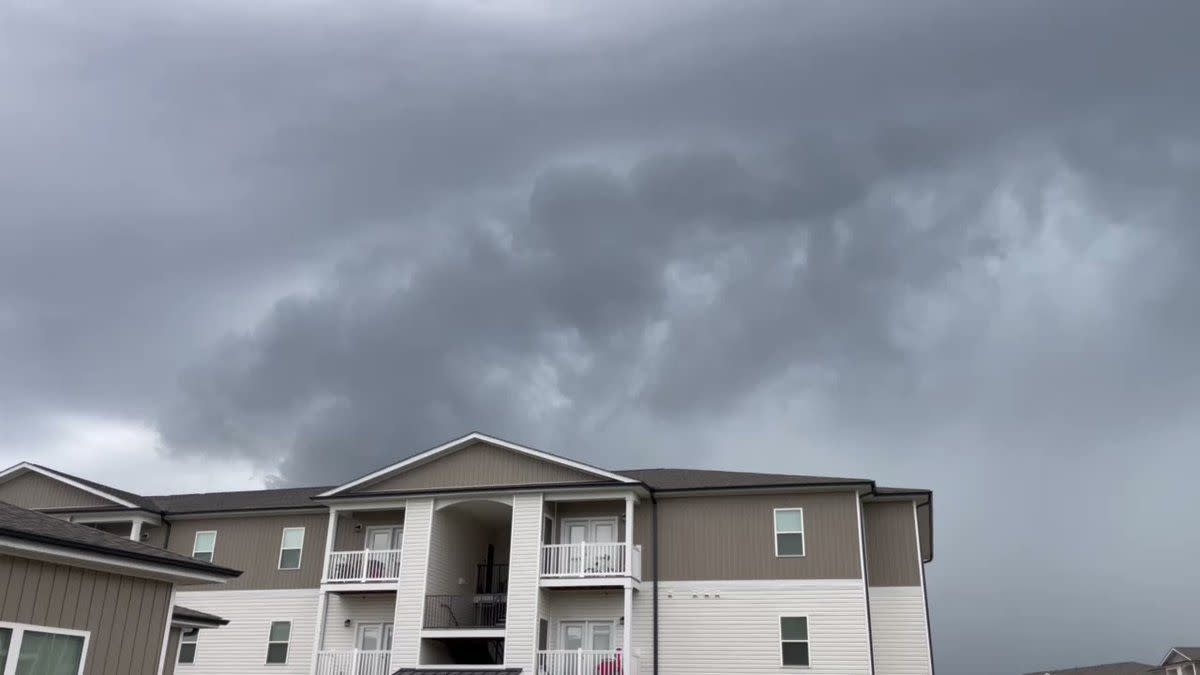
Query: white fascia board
column 106, row 563
column 26, row 466
column 473, row 438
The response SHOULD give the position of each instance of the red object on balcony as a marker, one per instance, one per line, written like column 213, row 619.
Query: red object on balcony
column 611, row 667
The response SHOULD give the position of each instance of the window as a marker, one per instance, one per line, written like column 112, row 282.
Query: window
column 37, row 650
column 291, row 548
column 793, row 640
column 187, row 645
column 277, row 641
column 789, row 533
column 205, row 544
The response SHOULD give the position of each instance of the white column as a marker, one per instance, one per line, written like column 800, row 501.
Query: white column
column 629, row 535
column 628, row 637
column 329, row 534
column 135, row 530
column 524, row 587
column 319, row 637
column 410, row 589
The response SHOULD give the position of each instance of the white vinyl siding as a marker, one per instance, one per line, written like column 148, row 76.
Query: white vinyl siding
column 368, row 608
column 240, row 648
column 410, row 590
column 520, row 636
column 733, row 626
column 561, row 605
column 899, row 630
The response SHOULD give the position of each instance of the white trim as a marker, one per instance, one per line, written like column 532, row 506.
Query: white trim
column 586, row 582
column 106, row 563
column 166, row 641
column 330, row 533
column 807, row 640
column 135, row 530
column 358, row 587
column 462, row 633
column 209, row 515
column 575, row 495
column 18, row 636
column 282, row 541
column 862, row 561
column 196, row 540
column 110, row 517
column 803, row 536
column 26, row 466
column 474, row 438
column 267, row 652
column 179, row 648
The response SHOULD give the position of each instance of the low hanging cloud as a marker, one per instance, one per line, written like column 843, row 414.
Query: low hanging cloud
column 942, row 244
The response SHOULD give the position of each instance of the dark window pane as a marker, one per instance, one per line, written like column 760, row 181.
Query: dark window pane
column 290, row 560
column 206, row 556
column 790, row 544
column 794, row 628
column 187, row 652
column 281, row 631
column 49, row 654
column 277, row 652
column 5, row 641
column 795, row 653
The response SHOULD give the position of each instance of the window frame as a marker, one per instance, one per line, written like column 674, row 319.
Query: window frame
column 801, row 532
column 212, row 554
column 282, row 541
column 807, row 639
column 18, row 637
column 179, row 652
column 288, row 652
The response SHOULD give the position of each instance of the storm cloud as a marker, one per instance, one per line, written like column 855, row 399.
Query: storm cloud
column 934, row 243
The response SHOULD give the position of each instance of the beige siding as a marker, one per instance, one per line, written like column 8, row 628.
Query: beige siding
column 126, row 616
column 898, row 631
column 240, row 648
column 171, row 657
column 346, row 538
column 364, row 608
column 410, row 590
column 733, row 537
column 34, row 491
column 925, row 528
column 520, row 635
column 479, row 465
column 251, row 544
column 892, row 558
column 716, row 626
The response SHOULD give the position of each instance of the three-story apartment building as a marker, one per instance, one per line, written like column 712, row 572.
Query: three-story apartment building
column 484, row 556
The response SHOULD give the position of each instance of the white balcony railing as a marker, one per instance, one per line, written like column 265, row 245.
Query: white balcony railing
column 356, row 662
column 584, row 662
column 589, row 560
column 363, row 566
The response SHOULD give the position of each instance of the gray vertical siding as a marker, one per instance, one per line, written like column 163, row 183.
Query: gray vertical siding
column 891, row 544
column 35, row 491
column 925, row 529
column 125, row 615
column 478, row 465
column 172, row 655
column 733, row 537
column 346, row 538
column 251, row 544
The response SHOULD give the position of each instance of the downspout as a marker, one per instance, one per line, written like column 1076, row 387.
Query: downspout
column 654, row 570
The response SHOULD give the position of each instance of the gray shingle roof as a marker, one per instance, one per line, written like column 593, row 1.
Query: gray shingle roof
column 1123, row 668
column 244, row 500
column 28, row 525
column 196, row 616
column 692, row 479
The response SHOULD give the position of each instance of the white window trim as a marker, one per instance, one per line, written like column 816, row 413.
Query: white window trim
column 267, row 652
column 196, row 540
column 282, row 539
column 18, row 635
column 775, row 528
column 179, row 650
column 808, row 641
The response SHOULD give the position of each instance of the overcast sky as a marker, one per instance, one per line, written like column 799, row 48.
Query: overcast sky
column 938, row 244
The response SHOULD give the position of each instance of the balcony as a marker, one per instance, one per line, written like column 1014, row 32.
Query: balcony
column 486, row 610
column 584, row 662
column 363, row 566
column 589, row 561
column 354, row 662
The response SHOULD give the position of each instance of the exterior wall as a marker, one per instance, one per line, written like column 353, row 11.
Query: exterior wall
column 925, row 529
column 34, row 491
column 240, row 648
column 479, row 465
column 346, row 539
column 457, row 544
column 892, row 556
column 365, row 608
column 580, row 605
column 410, row 590
column 733, row 537
column 899, row 631
column 735, row 627
column 520, row 635
column 171, row 657
column 126, row 616
column 251, row 544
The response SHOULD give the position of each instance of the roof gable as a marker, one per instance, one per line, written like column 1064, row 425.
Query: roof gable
column 1181, row 655
column 35, row 487
column 476, row 460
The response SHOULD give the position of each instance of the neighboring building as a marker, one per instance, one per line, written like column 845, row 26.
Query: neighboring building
column 77, row 600
column 481, row 555
column 1178, row 661
column 1123, row 668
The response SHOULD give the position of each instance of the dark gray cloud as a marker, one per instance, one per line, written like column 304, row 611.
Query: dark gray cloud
column 938, row 244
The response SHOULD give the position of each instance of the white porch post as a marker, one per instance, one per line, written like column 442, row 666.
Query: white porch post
column 135, row 531
column 319, row 633
column 629, row 536
column 628, row 637
column 329, row 534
